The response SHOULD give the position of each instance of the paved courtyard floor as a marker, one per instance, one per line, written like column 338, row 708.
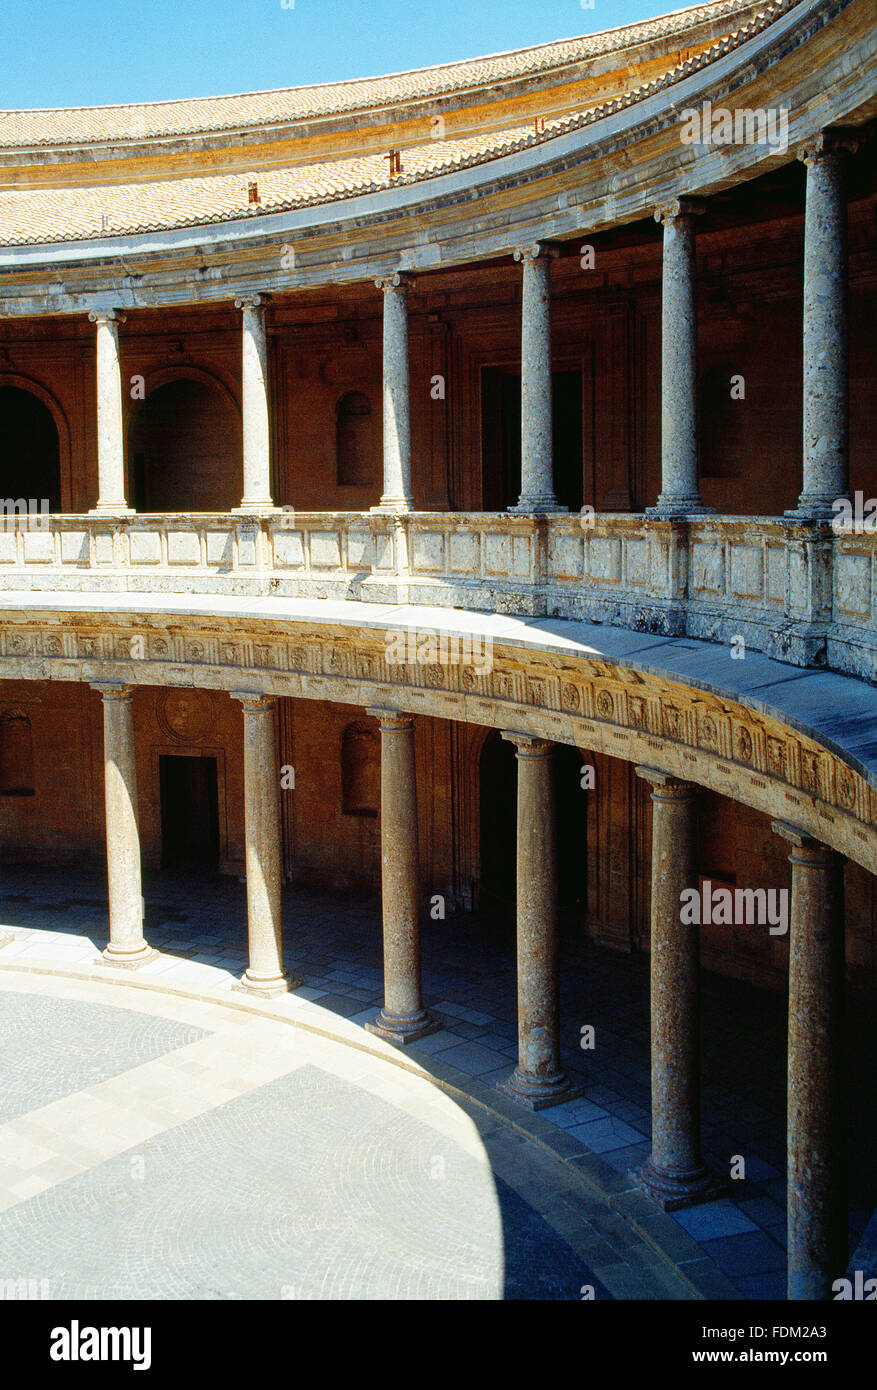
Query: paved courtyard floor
column 158, row 1142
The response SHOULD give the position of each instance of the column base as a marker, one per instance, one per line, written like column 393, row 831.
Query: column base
column 128, row 960
column 393, row 506
column 260, row 507
column 266, row 989
column 110, row 510
column 815, row 509
column 674, row 509
column 672, row 1191
column 537, row 506
column 403, row 1030
column 537, row 1093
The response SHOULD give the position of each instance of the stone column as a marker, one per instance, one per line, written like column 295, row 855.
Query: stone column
column 816, row 1137
column 127, row 945
column 674, row 1175
column 256, row 420
column 826, row 357
column 537, row 457
column 403, row 1017
column 538, row 1079
column 110, row 421
column 397, row 495
column 265, row 974
column 679, row 486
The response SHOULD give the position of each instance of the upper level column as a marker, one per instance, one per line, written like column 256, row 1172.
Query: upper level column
column 537, row 451
column 397, row 495
column 826, row 353
column 110, row 427
column 256, row 420
column 679, row 488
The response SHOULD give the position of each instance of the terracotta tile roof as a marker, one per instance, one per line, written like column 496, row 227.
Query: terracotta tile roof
column 42, row 215
column 97, row 124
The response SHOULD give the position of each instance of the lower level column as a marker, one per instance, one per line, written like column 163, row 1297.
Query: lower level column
column 538, row 1079
column 127, row 945
column 816, row 1176
column 675, row 1174
column 265, row 974
column 403, row 1017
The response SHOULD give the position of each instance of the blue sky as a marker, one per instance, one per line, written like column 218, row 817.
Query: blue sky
column 96, row 52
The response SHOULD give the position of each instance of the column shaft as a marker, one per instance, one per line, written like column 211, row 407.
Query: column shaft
column 826, row 358
column 537, row 452
column 538, row 1079
column 403, row 1017
column 110, row 419
column 679, row 483
column 265, row 973
column 674, row 1174
column 816, row 1228
column 397, row 494
column 126, row 945
column 256, row 419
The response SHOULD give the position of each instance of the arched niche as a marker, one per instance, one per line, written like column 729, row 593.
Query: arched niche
column 360, row 771
column 355, row 465
column 185, row 444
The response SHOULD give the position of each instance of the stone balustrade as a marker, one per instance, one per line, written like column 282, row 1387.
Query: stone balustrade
column 803, row 592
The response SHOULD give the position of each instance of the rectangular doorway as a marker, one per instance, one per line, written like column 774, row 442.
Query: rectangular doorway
column 189, row 810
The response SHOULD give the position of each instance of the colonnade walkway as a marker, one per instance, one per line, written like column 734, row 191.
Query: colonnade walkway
column 733, row 1247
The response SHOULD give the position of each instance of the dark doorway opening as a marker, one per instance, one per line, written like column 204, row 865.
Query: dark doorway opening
column 30, row 455
column 189, row 811
column 501, row 438
column 571, row 801
column 185, row 448
column 498, row 804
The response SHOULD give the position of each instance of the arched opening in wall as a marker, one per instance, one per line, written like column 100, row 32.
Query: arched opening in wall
column 355, row 465
column 723, row 436
column 30, row 454
column 185, row 449
column 360, row 771
column 16, row 755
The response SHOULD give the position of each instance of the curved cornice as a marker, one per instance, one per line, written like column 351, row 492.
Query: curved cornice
column 819, row 58
column 783, row 753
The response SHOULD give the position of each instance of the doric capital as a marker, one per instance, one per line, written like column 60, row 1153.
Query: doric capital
column 393, row 721
column 106, row 316
column 827, row 144
column 252, row 301
column 397, row 279
column 665, row 786
column 536, row 250
column 806, row 849
column 679, row 207
column 255, row 701
column 528, row 745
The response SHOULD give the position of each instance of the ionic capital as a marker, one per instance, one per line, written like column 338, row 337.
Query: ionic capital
column 830, row 143
column 536, row 250
column 252, row 301
column 679, row 207
column 106, row 316
column 113, row 691
column 398, row 279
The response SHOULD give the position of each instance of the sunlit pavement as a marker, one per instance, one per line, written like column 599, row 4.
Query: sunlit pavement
column 314, row 1169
